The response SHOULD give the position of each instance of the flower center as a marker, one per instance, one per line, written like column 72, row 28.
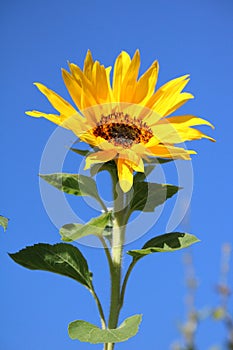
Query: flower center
column 122, row 130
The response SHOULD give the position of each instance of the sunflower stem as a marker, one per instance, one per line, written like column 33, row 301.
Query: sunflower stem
column 107, row 253
column 124, row 284
column 100, row 308
column 115, row 277
column 117, row 248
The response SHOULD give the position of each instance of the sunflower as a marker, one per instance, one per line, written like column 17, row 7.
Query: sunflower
column 127, row 120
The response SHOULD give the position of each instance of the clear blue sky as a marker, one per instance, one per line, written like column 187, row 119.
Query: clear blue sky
column 37, row 39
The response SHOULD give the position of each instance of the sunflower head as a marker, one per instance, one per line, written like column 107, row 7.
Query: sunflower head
column 122, row 130
column 125, row 119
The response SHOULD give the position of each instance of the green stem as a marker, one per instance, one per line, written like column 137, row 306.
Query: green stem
column 108, row 255
column 98, row 303
column 117, row 248
column 123, row 289
column 110, row 346
column 117, row 245
column 109, row 258
column 120, row 301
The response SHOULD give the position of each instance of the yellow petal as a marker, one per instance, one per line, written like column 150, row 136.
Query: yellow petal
column 166, row 133
column 88, row 64
column 150, row 117
column 56, row 101
column 174, row 82
column 139, row 168
column 73, row 87
column 77, row 73
column 125, row 175
column 189, row 134
column 120, row 68
column 132, row 159
column 187, row 120
column 139, row 149
column 152, row 142
column 167, row 95
column 177, row 129
column 130, row 80
column 108, row 72
column 91, row 116
column 179, row 101
column 101, row 87
column 146, row 84
column 75, row 123
column 94, row 141
column 168, row 151
column 52, row 117
column 105, row 145
column 87, row 100
column 99, row 157
column 174, row 135
column 86, row 85
column 94, row 89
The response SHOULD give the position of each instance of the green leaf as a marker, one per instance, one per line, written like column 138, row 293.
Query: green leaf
column 87, row 332
column 167, row 242
column 78, row 185
column 81, row 152
column 147, row 196
column 61, row 258
column 3, row 222
column 95, row 226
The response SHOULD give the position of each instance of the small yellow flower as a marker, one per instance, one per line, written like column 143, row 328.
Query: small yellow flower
column 127, row 120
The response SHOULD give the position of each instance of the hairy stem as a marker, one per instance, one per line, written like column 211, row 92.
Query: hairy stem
column 123, row 289
column 100, row 308
column 115, row 276
column 117, row 248
column 107, row 252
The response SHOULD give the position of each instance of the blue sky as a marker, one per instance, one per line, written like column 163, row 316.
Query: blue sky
column 37, row 39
